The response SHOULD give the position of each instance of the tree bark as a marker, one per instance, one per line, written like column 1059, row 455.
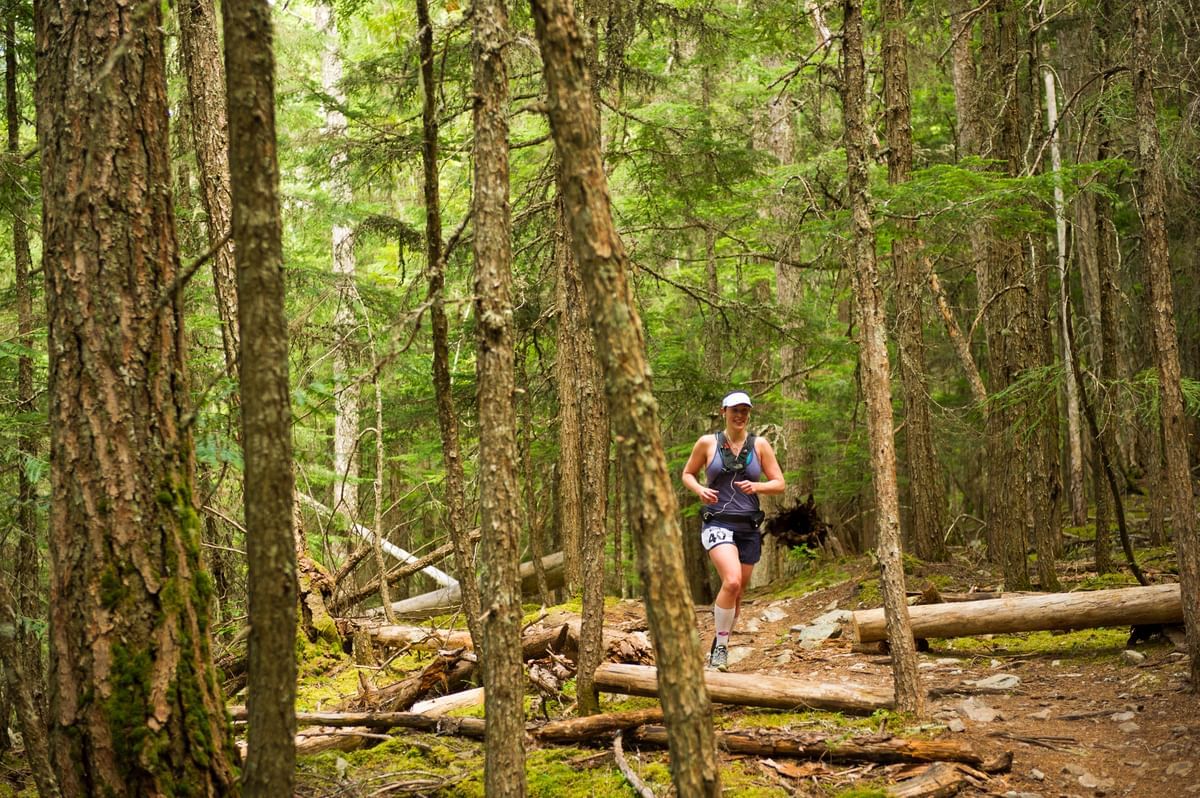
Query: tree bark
column 873, row 362
column 925, row 477
column 1029, row 613
column 650, row 497
column 499, row 498
column 435, row 269
column 1152, row 190
column 201, row 56
column 1004, row 292
column 580, row 381
column 568, row 292
column 266, row 410
column 595, row 510
column 129, row 601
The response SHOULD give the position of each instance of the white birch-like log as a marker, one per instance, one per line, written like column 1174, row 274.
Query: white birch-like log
column 437, row 707
column 1032, row 613
column 450, row 598
column 436, row 574
column 755, row 689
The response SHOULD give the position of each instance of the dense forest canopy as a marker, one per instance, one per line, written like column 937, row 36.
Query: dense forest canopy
column 1032, row 189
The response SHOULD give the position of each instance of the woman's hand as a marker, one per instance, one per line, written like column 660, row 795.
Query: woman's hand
column 707, row 495
column 746, row 486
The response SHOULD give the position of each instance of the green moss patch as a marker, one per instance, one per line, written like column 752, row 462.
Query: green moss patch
column 1091, row 643
column 817, row 576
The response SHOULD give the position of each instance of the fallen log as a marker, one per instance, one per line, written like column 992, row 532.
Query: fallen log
column 436, row 707
column 874, row 748
column 941, row 780
column 449, row 599
column 574, row 730
column 444, row 674
column 382, row 721
column 1082, row 610
column 753, row 689
column 536, row 641
column 760, row 742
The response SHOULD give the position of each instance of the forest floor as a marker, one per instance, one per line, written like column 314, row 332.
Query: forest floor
column 1082, row 717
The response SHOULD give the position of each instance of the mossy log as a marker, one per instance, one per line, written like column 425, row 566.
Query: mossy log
column 1157, row 604
column 347, row 731
column 755, row 689
column 868, row 748
column 757, row 742
column 590, row 727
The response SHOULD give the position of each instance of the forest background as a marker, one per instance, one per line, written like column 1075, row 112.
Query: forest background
column 722, row 132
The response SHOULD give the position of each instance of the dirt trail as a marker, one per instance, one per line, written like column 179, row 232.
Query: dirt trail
column 1081, row 719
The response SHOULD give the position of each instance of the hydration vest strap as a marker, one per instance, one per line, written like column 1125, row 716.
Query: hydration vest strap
column 729, row 461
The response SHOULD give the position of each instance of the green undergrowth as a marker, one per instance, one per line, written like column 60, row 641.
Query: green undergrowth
column 453, row 768
column 834, row 725
column 18, row 780
column 818, row 575
column 1105, row 581
column 327, row 676
column 862, row 791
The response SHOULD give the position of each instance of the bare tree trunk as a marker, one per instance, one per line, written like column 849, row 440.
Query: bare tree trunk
column 1075, row 488
column 129, row 602
column 568, row 296
column 651, row 499
column 618, row 533
column 970, row 140
column 925, row 474
column 873, row 362
column 1166, row 342
column 435, row 267
column 25, row 695
column 346, row 385
column 595, row 434
column 201, row 56
column 788, row 289
column 266, row 411
column 1006, row 322
column 499, row 505
column 1108, row 344
column 20, row 650
column 583, row 436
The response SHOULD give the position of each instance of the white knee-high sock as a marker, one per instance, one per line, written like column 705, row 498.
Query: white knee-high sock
column 723, row 621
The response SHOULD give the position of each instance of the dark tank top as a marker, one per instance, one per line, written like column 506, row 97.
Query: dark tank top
column 730, row 500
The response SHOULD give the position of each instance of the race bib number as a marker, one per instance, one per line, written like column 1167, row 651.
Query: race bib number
column 715, row 535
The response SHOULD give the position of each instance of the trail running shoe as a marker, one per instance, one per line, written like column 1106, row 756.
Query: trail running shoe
column 718, row 658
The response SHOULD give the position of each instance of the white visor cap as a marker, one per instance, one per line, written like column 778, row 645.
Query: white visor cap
column 736, row 398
